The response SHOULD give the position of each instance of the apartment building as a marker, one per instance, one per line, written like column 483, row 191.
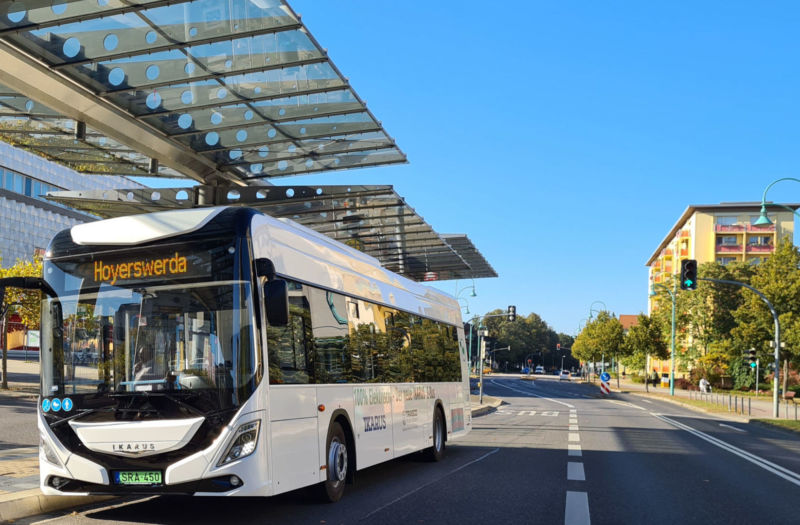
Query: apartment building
column 724, row 233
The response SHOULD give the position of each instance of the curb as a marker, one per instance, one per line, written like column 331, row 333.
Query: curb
column 489, row 404
column 31, row 502
column 731, row 417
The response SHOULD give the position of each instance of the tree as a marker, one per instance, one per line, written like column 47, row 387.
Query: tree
column 643, row 339
column 603, row 335
column 25, row 303
column 778, row 278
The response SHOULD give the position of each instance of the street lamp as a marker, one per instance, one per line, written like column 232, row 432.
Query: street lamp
column 763, row 220
column 591, row 309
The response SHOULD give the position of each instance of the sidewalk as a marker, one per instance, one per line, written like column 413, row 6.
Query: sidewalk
column 759, row 407
column 20, row 496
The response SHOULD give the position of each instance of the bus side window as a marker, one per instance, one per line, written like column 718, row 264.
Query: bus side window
column 290, row 347
column 329, row 319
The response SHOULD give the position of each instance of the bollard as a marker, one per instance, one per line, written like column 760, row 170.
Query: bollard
column 749, row 408
column 735, row 404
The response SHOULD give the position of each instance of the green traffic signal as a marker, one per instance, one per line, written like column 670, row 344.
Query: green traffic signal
column 688, row 274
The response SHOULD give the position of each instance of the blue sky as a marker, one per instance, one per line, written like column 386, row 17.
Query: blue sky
column 566, row 138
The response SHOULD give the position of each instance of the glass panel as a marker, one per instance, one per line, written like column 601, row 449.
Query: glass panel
column 127, row 323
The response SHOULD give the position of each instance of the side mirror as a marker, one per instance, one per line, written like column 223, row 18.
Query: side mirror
column 276, row 292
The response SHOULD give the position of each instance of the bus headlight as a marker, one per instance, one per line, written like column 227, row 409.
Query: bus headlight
column 49, row 453
column 243, row 443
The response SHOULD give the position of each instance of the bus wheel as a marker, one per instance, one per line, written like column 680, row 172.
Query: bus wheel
column 337, row 464
column 436, row 452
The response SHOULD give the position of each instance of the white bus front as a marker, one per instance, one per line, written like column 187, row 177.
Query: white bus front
column 164, row 402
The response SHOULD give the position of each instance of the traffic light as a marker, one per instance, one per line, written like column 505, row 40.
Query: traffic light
column 512, row 313
column 751, row 355
column 688, row 274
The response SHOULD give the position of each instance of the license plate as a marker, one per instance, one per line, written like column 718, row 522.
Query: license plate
column 137, row 477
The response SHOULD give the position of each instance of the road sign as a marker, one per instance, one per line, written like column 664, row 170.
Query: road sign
column 604, row 388
column 605, row 377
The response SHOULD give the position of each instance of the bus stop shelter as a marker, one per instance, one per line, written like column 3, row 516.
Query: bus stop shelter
column 229, row 95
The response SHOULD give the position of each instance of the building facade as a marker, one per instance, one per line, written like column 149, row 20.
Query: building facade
column 27, row 220
column 722, row 233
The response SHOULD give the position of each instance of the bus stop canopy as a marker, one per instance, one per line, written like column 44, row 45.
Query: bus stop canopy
column 235, row 91
column 373, row 219
column 230, row 94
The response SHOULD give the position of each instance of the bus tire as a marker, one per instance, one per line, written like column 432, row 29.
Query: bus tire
column 337, row 464
column 436, row 452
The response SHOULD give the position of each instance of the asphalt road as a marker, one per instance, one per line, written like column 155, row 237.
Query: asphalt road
column 554, row 453
column 18, row 422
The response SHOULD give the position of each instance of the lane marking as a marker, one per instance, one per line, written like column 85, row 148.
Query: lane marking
column 647, row 401
column 575, row 471
column 626, row 404
column 529, row 393
column 577, row 509
column 400, row 498
column 733, row 428
column 573, row 421
column 574, row 450
column 573, row 428
column 574, row 437
column 788, row 475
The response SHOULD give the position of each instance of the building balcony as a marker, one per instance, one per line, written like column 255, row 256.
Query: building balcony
column 666, row 252
column 766, row 228
column 729, row 227
column 760, row 248
column 729, row 248
column 684, row 234
column 685, row 252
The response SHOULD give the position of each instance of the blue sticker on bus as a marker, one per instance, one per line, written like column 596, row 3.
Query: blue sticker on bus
column 45, row 405
column 66, row 405
column 56, row 404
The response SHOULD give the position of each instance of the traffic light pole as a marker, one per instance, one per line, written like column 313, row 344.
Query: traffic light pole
column 776, row 378
column 672, row 346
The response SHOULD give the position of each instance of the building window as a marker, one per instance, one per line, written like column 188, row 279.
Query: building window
column 727, row 220
column 754, row 261
column 759, row 240
column 725, row 260
column 728, row 240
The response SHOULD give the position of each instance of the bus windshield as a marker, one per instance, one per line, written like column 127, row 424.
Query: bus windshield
column 119, row 332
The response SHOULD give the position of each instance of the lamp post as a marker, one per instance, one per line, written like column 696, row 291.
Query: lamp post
column 591, row 308
column 672, row 345
column 482, row 333
column 763, row 220
column 591, row 311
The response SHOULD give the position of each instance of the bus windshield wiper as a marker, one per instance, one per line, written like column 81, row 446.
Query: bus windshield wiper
column 81, row 413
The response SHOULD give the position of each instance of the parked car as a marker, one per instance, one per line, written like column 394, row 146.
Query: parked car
column 564, row 375
column 539, row 370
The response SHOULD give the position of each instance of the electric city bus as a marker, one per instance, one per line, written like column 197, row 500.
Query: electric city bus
column 236, row 354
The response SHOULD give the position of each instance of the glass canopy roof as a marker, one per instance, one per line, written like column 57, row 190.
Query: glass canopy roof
column 373, row 219
column 236, row 90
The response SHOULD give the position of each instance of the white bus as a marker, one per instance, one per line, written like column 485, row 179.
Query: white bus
column 237, row 354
